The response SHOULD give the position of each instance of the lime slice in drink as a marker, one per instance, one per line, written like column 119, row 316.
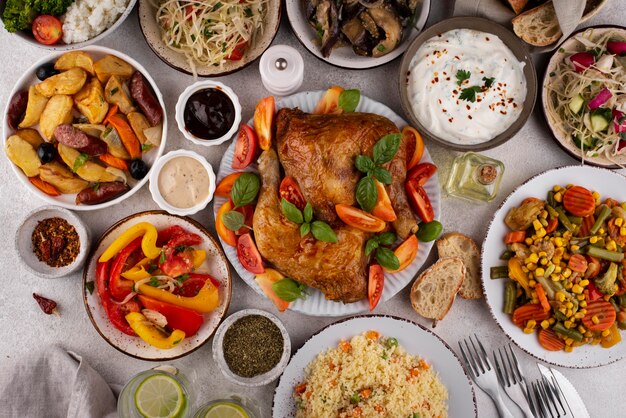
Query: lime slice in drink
column 160, row 396
column 226, row 410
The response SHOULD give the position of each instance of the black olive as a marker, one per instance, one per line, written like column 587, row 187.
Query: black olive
column 138, row 169
column 46, row 152
column 46, row 70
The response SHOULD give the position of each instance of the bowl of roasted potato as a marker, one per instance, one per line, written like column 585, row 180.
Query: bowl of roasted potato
column 83, row 128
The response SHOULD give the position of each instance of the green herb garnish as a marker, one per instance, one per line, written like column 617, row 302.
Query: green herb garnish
column 489, row 81
column 320, row 230
column 461, row 76
column 289, row 290
column 80, row 161
column 349, row 100
column 469, row 93
column 154, row 282
column 89, row 286
column 233, row 220
column 245, row 189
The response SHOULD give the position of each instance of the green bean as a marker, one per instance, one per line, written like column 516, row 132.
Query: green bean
column 614, row 256
column 565, row 220
column 553, row 213
column 560, row 316
column 615, row 305
column 547, row 286
column 605, row 212
column 599, row 243
column 499, row 272
column 569, row 333
column 510, row 290
column 551, row 201
column 621, row 325
column 621, row 299
column 576, row 220
column 507, row 255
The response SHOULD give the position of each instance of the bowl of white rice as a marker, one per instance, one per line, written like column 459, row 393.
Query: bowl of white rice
column 85, row 22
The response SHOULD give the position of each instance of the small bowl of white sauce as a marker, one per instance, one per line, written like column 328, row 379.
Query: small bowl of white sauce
column 467, row 83
column 182, row 182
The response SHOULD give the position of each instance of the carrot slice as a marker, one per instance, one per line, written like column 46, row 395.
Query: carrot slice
column 550, row 340
column 543, row 299
column 514, row 236
column 127, row 135
column 586, row 225
column 579, row 201
column 552, row 225
column 577, row 262
column 112, row 111
column 114, row 161
column 527, row 312
column 45, row 187
column 603, row 311
column 301, row 388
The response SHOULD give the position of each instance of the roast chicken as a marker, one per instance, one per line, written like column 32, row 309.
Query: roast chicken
column 319, row 151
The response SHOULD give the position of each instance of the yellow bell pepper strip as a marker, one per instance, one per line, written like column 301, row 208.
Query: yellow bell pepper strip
column 138, row 271
column 205, row 301
column 516, row 273
column 148, row 243
column 148, row 332
column 198, row 258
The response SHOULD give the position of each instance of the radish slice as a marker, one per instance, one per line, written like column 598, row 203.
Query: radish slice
column 619, row 121
column 582, row 61
column 617, row 48
column 605, row 63
column 602, row 97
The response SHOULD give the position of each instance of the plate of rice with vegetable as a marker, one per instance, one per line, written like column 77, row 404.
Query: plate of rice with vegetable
column 374, row 366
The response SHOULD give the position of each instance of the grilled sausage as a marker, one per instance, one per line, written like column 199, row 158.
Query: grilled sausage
column 75, row 138
column 141, row 92
column 17, row 108
column 103, row 192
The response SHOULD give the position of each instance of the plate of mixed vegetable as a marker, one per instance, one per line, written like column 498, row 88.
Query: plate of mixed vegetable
column 554, row 272
column 156, row 286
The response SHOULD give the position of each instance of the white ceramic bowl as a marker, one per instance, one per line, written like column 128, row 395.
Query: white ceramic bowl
column 180, row 110
column 24, row 246
column 68, row 200
column 156, row 192
column 262, row 379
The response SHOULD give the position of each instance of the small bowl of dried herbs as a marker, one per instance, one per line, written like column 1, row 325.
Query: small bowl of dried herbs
column 52, row 242
column 251, row 347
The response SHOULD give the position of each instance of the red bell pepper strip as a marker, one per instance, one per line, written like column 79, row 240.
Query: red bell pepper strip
column 193, row 283
column 119, row 286
column 177, row 317
column 114, row 311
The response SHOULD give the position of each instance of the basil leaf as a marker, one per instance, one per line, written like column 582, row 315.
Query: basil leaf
column 364, row 164
column 371, row 245
column 233, row 220
column 366, row 193
column 289, row 290
column 349, row 100
column 386, row 148
column 386, row 238
column 291, row 211
column 80, row 161
column 323, row 232
column 305, row 228
column 387, row 259
column 89, row 286
column 382, row 175
column 245, row 189
column 308, row 212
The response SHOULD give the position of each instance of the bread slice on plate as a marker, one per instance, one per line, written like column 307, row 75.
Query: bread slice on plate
column 434, row 290
column 538, row 26
column 462, row 246
column 517, row 5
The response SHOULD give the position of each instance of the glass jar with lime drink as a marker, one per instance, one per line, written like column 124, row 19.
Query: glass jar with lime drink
column 226, row 408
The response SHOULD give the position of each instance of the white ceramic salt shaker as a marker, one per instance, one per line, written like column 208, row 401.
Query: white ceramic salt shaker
column 282, row 70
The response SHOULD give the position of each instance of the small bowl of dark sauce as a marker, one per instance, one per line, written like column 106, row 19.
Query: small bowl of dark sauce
column 208, row 113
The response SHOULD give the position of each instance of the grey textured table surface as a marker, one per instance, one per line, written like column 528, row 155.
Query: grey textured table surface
column 23, row 325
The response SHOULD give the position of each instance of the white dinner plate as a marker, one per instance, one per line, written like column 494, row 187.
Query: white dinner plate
column 316, row 304
column 215, row 265
column 605, row 182
column 344, row 56
column 414, row 338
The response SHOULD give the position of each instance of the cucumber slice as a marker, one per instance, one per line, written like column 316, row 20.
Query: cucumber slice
column 600, row 119
column 576, row 104
column 584, row 142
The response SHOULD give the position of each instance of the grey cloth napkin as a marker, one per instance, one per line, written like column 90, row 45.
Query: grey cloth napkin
column 568, row 13
column 54, row 383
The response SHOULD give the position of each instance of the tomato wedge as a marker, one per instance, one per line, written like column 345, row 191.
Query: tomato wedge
column 329, row 103
column 226, row 185
column 47, row 29
column 248, row 214
column 225, row 234
column 383, row 209
column 579, row 201
column 419, row 201
column 264, row 121
column 421, row 173
column 238, row 52
column 265, row 282
column 359, row 219
column 128, row 257
column 406, row 253
column 192, row 285
column 168, row 233
column 248, row 255
column 177, row 317
column 414, row 145
column 245, row 148
column 375, row 285
column 290, row 191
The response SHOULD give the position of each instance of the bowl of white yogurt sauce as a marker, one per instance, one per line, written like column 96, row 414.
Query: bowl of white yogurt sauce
column 468, row 83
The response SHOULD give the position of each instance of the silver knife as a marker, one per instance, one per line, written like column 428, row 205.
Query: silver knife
column 570, row 396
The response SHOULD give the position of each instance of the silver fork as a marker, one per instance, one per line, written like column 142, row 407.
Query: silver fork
column 511, row 379
column 484, row 375
column 548, row 400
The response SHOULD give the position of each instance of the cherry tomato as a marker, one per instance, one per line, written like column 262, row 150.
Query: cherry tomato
column 176, row 263
column 264, row 121
column 265, row 282
column 375, row 285
column 421, row 173
column 226, row 185
column 193, row 283
column 177, row 317
column 406, row 252
column 419, row 201
column 290, row 190
column 383, row 209
column 329, row 103
column 238, row 52
column 47, row 29
column 245, row 148
column 225, row 234
column 414, row 146
column 359, row 219
column 248, row 255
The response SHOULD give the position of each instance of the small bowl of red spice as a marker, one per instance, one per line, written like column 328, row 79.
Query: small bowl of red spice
column 52, row 242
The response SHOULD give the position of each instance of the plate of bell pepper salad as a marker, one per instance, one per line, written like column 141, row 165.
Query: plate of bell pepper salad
column 553, row 266
column 156, row 286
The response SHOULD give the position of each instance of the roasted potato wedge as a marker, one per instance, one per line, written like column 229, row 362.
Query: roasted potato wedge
column 90, row 101
column 88, row 170
column 110, row 66
column 58, row 110
column 139, row 123
column 31, row 136
column 61, row 178
column 23, row 155
column 116, row 147
column 35, row 106
column 68, row 82
column 115, row 93
column 73, row 59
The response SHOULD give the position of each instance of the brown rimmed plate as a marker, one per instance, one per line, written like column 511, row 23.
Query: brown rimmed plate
column 516, row 46
column 215, row 264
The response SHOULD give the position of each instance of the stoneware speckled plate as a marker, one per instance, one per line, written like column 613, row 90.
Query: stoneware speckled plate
column 316, row 304
column 152, row 33
column 215, row 264
column 608, row 184
column 412, row 337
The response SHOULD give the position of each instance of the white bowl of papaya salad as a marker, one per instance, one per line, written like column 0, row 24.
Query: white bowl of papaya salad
column 584, row 96
column 554, row 273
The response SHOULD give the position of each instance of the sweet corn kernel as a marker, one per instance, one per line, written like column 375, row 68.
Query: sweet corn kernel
column 569, row 341
column 528, row 241
column 596, row 195
column 623, row 205
column 580, row 297
column 568, row 285
column 593, row 239
column 559, row 296
column 537, row 225
column 568, row 349
column 601, row 231
column 533, row 258
column 619, row 221
column 532, row 283
column 525, row 269
column 579, row 315
column 577, row 289
column 569, row 313
column 556, row 277
column 545, row 324
column 584, row 283
column 551, row 321
column 595, row 341
column 543, row 261
column 531, row 266
column 569, row 305
column 544, row 214
column 606, row 332
column 528, row 330
column 588, row 334
column 556, row 188
column 582, row 329
column 539, row 272
column 558, row 241
column 563, row 310
column 531, row 323
column 557, row 269
column 569, row 186
column 583, row 304
column 607, row 297
column 567, row 272
column 583, row 310
column 611, row 246
column 568, row 324
column 558, row 197
column 541, row 233
column 622, row 231
column 595, row 319
column 574, row 248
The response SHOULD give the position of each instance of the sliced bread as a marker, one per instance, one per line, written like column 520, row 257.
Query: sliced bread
column 517, row 5
column 538, row 26
column 435, row 289
column 462, row 246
